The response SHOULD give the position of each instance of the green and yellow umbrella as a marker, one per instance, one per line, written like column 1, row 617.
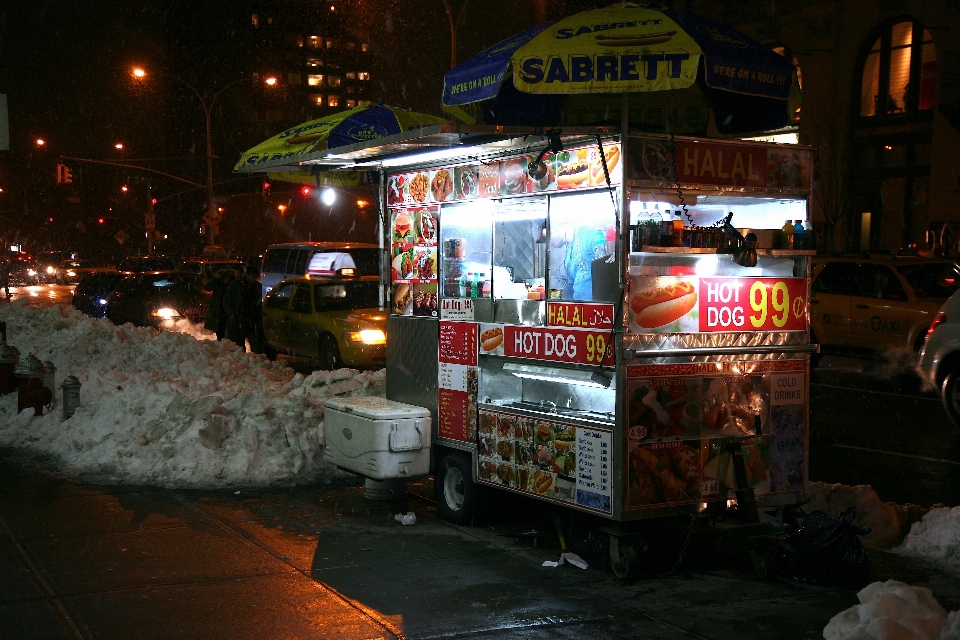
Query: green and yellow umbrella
column 365, row 122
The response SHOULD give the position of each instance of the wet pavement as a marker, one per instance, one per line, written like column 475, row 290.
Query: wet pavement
column 83, row 561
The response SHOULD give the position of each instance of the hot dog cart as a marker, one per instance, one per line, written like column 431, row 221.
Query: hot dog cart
column 581, row 315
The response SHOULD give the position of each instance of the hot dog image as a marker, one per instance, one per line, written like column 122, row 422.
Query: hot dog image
column 573, row 174
column 596, row 175
column 660, row 305
column 491, row 338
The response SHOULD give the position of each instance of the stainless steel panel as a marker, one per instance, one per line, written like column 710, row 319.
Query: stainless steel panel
column 413, row 362
column 525, row 312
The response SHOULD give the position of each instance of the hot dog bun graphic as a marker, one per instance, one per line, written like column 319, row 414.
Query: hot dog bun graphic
column 491, row 338
column 659, row 305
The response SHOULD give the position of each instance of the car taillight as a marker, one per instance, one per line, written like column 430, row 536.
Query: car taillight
column 940, row 319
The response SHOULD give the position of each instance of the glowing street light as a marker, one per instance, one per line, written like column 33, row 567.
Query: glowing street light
column 118, row 146
column 124, row 188
column 281, row 208
column 40, row 142
column 207, row 105
column 328, row 196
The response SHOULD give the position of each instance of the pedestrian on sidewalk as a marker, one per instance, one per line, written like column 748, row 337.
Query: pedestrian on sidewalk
column 216, row 318
column 5, row 275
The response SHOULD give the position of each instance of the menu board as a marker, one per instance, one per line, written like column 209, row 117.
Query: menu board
column 691, row 304
column 545, row 458
column 413, row 267
column 570, row 169
column 681, row 417
column 457, row 381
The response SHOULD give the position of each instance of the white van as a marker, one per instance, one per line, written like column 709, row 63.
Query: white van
column 292, row 259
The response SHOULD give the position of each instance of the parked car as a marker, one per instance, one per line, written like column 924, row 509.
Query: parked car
column 878, row 302
column 332, row 319
column 940, row 356
column 207, row 268
column 142, row 264
column 158, row 299
column 290, row 260
column 91, row 293
column 72, row 271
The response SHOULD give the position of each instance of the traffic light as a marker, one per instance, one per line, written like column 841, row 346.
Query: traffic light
column 153, row 203
column 266, row 188
column 305, row 191
column 101, row 220
column 64, row 174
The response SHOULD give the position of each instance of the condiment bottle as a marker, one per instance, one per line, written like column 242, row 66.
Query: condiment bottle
column 788, row 234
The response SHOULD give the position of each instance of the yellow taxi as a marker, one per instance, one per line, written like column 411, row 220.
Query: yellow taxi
column 332, row 319
column 878, row 302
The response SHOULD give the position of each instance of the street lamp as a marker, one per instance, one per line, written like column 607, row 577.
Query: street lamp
column 140, row 73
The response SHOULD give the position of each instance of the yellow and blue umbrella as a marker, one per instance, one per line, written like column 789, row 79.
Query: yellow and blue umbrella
column 365, row 122
column 674, row 67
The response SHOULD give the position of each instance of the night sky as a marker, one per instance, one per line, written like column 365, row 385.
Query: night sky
column 65, row 67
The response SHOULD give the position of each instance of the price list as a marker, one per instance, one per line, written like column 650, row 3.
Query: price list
column 593, row 468
column 457, row 381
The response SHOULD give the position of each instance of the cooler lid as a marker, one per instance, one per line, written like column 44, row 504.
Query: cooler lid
column 377, row 408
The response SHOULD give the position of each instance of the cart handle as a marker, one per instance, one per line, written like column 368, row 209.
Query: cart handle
column 720, row 351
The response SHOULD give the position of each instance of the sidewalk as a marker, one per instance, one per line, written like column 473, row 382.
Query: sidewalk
column 79, row 561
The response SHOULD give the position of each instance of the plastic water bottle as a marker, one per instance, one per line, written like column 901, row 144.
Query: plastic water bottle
column 799, row 235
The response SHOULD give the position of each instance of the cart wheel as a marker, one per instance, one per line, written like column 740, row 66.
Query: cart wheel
column 760, row 567
column 626, row 566
column 454, row 488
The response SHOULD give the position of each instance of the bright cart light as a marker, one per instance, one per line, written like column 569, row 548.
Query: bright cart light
column 328, row 196
column 367, row 336
column 165, row 313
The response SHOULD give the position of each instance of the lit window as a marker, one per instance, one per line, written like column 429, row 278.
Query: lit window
column 904, row 86
column 330, row 44
column 314, row 62
column 364, row 47
column 351, row 75
column 351, row 104
column 317, row 99
column 315, row 42
column 294, row 40
column 255, row 20
column 351, row 46
column 334, row 81
column 333, row 101
column 269, row 20
column 293, row 79
column 363, row 75
column 314, row 80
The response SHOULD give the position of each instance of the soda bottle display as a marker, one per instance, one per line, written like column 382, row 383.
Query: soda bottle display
column 799, row 235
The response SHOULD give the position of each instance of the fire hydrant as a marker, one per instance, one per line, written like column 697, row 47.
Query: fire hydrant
column 30, row 374
column 71, row 395
column 8, row 362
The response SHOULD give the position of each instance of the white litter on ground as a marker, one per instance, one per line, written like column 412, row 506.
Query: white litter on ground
column 893, row 610
column 164, row 409
column 890, row 521
column 935, row 538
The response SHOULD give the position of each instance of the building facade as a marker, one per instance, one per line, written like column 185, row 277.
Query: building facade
column 881, row 102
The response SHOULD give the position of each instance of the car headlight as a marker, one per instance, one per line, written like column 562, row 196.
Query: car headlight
column 102, row 301
column 72, row 273
column 366, row 336
column 31, row 272
column 165, row 313
column 50, row 270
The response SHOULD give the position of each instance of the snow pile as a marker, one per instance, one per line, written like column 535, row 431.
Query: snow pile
column 163, row 408
column 890, row 521
column 935, row 538
column 893, row 610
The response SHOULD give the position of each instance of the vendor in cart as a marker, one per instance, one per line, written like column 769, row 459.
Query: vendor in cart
column 577, row 240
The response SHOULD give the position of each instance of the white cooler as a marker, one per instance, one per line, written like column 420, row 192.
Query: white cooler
column 377, row 438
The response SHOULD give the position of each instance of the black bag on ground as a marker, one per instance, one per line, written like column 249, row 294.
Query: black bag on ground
column 825, row 551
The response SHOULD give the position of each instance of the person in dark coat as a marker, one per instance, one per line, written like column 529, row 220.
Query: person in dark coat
column 241, row 304
column 216, row 319
column 5, row 275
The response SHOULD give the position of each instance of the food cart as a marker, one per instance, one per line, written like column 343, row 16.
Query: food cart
column 585, row 324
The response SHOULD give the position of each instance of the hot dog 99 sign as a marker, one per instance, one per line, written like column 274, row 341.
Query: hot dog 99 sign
column 727, row 304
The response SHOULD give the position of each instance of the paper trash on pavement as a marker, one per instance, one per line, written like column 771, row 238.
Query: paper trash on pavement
column 406, row 518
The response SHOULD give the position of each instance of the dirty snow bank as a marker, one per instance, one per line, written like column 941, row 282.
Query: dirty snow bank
column 936, row 538
column 165, row 409
column 890, row 521
column 893, row 610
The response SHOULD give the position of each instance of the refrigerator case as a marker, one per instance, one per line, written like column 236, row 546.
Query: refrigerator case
column 378, row 438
